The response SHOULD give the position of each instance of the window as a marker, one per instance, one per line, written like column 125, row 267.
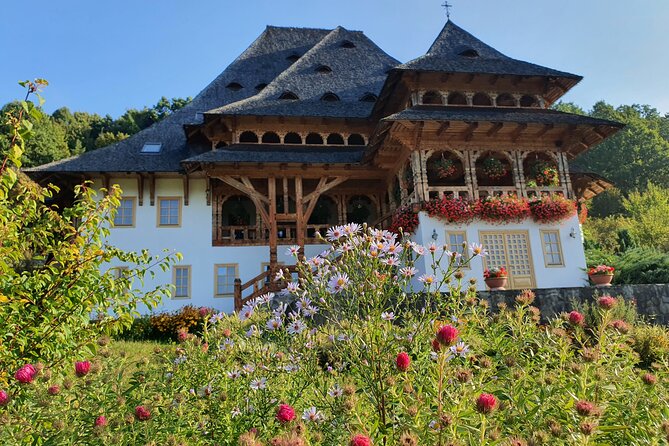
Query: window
column 261, row 86
column 552, row 249
column 289, row 95
column 234, row 86
column 118, row 273
column 335, row 139
column 356, row 139
column 292, row 138
column 323, row 69
column 293, row 58
column 169, row 211
column 457, row 242
column 432, row 98
column 368, row 97
column 225, row 275
column 271, row 138
column 181, row 282
column 151, row 147
column 347, row 44
column 314, row 138
column 125, row 214
column 330, row 97
column 470, row 52
column 248, row 136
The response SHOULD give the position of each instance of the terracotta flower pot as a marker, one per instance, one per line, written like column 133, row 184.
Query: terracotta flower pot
column 496, row 283
column 601, row 279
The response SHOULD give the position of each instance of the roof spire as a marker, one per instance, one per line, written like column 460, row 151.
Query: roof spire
column 447, row 6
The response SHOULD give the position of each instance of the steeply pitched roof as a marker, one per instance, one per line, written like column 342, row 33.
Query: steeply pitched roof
column 457, row 51
column 491, row 114
column 273, row 153
column 260, row 63
column 357, row 66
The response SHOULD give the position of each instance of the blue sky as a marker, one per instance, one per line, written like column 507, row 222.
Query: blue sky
column 107, row 56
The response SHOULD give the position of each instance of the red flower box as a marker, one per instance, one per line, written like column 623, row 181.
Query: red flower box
column 453, row 210
column 549, row 209
column 502, row 209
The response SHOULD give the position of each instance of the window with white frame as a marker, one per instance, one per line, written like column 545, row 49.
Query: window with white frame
column 125, row 213
column 181, row 282
column 457, row 240
column 552, row 249
column 169, row 211
column 225, row 275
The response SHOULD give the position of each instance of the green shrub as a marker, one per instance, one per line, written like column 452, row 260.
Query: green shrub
column 651, row 343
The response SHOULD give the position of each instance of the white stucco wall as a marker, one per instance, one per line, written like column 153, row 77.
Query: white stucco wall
column 193, row 240
column 572, row 274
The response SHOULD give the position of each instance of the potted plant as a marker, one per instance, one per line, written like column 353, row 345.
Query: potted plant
column 494, row 168
column 601, row 275
column 444, row 167
column 495, row 278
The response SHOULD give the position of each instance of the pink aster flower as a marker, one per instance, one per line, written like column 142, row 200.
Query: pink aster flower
column 285, row 413
column 4, row 398
column 427, row 279
column 403, row 361
column 338, row 282
column 53, row 390
column 100, row 421
column 26, row 374
column 447, row 334
column 486, row 403
column 360, row 440
column 576, row 318
column 142, row 413
column 607, row 302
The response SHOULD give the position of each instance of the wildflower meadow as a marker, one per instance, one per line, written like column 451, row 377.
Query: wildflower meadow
column 361, row 349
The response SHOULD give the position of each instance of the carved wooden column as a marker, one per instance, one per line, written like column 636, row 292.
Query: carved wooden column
column 271, row 192
column 517, row 170
column 470, row 169
column 301, row 226
column 520, row 157
column 564, row 176
column 419, row 177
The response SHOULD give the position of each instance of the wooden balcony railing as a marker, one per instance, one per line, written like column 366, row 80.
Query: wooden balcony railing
column 261, row 284
column 449, row 191
column 250, row 235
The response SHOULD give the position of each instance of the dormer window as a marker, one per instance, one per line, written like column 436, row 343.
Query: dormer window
column 323, row 69
column 260, row 86
column 368, row 97
column 347, row 44
column 293, row 58
column 151, row 147
column 234, row 86
column 469, row 53
column 330, row 97
column 288, row 95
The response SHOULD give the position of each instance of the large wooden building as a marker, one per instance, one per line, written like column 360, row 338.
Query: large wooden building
column 310, row 128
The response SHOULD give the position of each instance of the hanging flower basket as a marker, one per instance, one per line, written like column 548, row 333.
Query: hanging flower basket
column 544, row 174
column 494, row 168
column 444, row 167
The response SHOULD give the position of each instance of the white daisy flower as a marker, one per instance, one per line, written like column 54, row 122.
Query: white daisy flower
column 258, row 384
column 313, row 415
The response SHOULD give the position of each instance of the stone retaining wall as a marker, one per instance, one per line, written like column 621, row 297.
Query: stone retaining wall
column 652, row 299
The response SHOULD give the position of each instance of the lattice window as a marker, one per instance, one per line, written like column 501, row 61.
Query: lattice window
column 181, row 281
column 552, row 249
column 225, row 275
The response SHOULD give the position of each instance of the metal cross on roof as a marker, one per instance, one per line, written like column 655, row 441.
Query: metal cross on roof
column 447, row 6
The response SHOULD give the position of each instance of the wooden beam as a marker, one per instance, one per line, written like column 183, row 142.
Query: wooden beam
column 140, row 189
column 271, row 192
column 186, row 189
column 493, row 79
column 152, row 189
column 516, row 133
column 323, row 187
column 468, row 134
column 568, row 132
column 470, row 78
column 301, row 226
column 245, row 186
column 545, row 129
column 105, row 182
column 496, row 127
column 443, row 127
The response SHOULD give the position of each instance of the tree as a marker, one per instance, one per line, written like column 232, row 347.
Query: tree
column 649, row 216
column 108, row 138
column 53, row 272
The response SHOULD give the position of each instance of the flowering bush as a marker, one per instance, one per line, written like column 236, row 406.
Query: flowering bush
column 502, row 209
column 494, row 168
column 601, row 270
column 494, row 273
column 452, row 210
column 360, row 351
column 549, row 209
column 404, row 220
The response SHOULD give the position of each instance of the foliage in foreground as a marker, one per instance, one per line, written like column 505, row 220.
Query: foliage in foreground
column 357, row 358
column 52, row 264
